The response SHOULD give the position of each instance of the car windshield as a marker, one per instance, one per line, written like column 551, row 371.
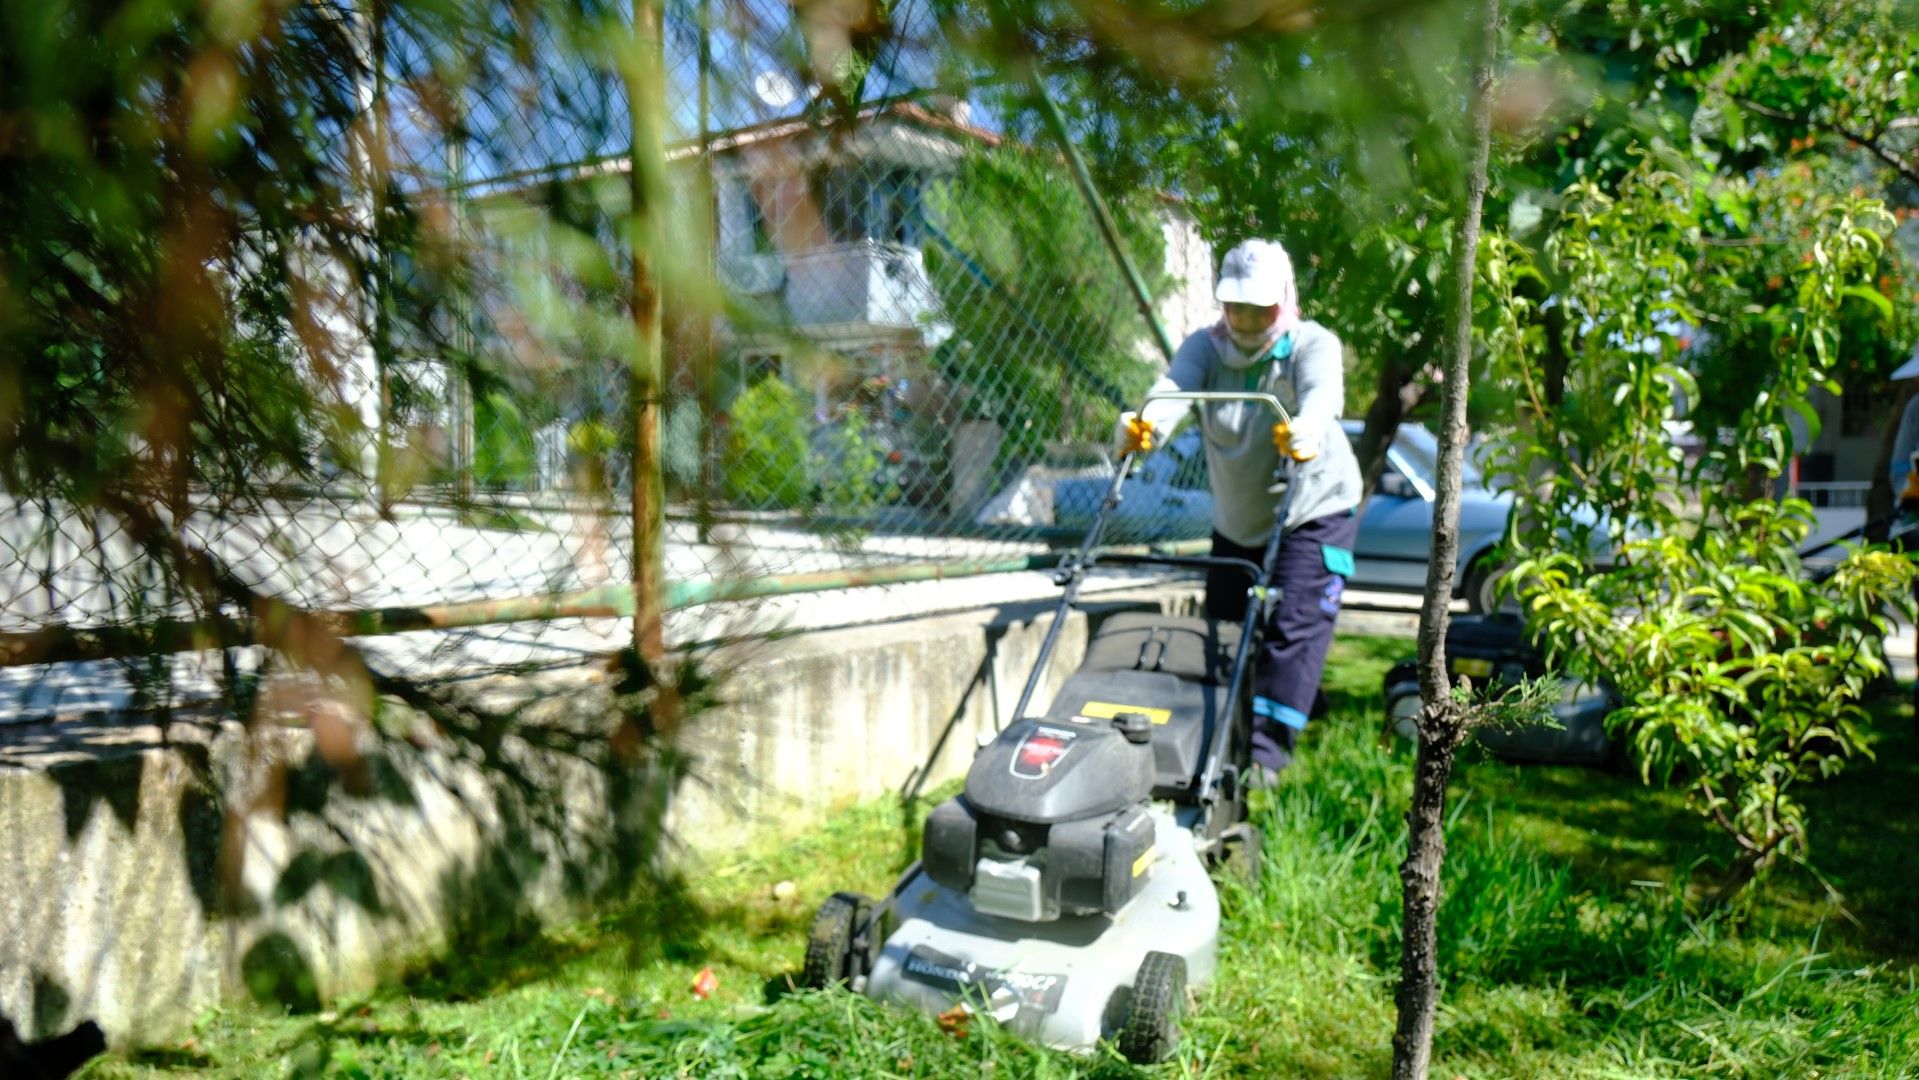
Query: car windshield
column 1418, row 454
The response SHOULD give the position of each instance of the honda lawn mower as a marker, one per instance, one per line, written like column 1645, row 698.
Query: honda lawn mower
column 1500, row 650
column 1066, row 891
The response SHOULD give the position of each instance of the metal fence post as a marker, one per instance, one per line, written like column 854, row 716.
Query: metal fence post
column 1103, row 217
column 704, row 366
column 459, row 382
column 379, row 165
column 644, row 72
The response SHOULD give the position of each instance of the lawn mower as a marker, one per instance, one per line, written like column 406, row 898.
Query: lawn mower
column 1497, row 649
column 1500, row 649
column 1066, row 892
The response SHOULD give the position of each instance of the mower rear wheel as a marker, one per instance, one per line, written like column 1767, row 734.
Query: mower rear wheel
column 829, row 944
column 1151, row 1033
column 1239, row 852
column 1402, row 710
column 1480, row 589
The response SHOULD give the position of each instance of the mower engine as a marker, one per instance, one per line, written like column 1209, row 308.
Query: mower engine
column 1053, row 820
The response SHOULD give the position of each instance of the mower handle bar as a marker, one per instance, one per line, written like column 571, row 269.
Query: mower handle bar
column 1271, row 401
column 1073, row 568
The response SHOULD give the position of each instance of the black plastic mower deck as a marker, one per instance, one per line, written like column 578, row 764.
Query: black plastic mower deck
column 1175, row 669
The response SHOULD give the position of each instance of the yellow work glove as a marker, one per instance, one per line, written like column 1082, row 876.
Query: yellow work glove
column 1134, row 435
column 1298, row 440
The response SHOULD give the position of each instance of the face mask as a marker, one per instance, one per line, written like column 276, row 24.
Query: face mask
column 1252, row 341
column 1256, row 343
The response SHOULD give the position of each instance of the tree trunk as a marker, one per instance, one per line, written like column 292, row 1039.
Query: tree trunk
column 1558, row 360
column 1396, row 394
column 1419, row 889
column 646, row 92
column 1441, row 722
column 1880, row 496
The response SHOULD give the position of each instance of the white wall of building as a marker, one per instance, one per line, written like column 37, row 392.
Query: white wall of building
column 1189, row 305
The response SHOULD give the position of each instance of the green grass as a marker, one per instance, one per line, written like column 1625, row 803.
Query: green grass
column 1571, row 945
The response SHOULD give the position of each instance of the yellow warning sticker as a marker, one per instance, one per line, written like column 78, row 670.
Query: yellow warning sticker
column 1145, row 860
column 1106, row 710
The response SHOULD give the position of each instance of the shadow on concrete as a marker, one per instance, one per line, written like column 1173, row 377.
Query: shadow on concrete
column 50, row 1005
column 507, row 762
column 347, row 874
column 114, row 782
column 276, row 973
column 43, row 1055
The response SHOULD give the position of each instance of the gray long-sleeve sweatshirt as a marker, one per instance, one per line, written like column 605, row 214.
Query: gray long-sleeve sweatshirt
column 1311, row 381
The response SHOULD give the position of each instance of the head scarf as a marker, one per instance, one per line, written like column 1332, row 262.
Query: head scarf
column 1263, row 268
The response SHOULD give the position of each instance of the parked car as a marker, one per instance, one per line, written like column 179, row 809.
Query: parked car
column 1396, row 526
column 1168, row 499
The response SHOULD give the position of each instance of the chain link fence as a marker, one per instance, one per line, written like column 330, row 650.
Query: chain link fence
column 893, row 336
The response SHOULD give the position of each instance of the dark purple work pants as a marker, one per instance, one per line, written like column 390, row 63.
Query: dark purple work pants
column 1299, row 629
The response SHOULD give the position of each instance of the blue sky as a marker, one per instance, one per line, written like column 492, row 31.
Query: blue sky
column 564, row 108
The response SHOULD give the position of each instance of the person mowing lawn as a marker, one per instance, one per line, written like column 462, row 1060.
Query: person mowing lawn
column 1261, row 343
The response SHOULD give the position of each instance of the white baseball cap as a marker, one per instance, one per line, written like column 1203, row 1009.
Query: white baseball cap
column 1257, row 272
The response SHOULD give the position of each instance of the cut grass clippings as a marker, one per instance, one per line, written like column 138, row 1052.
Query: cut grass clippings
column 1571, row 945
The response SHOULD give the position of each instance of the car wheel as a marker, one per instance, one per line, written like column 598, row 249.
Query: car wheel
column 1481, row 590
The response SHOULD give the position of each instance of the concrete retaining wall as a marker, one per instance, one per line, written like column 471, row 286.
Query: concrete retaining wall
column 145, row 874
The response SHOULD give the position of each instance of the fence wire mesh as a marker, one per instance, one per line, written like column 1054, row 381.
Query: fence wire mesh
column 893, row 335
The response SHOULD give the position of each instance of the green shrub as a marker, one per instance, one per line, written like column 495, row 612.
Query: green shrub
column 1744, row 677
column 503, row 454
column 767, row 467
column 848, row 468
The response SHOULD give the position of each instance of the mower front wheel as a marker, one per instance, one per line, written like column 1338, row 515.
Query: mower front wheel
column 829, row 944
column 1151, row 1034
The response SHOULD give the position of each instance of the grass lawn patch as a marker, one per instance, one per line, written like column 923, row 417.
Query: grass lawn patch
column 1569, row 940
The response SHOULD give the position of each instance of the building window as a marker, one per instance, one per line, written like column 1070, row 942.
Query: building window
column 755, row 366
column 759, row 230
column 870, row 202
column 1864, row 413
column 896, row 201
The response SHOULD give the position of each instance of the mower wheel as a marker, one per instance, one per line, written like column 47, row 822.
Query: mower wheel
column 829, row 944
column 1151, row 1033
column 1239, row 852
column 1402, row 711
column 1480, row 589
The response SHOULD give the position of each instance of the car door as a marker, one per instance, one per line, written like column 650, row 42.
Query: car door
column 1395, row 533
